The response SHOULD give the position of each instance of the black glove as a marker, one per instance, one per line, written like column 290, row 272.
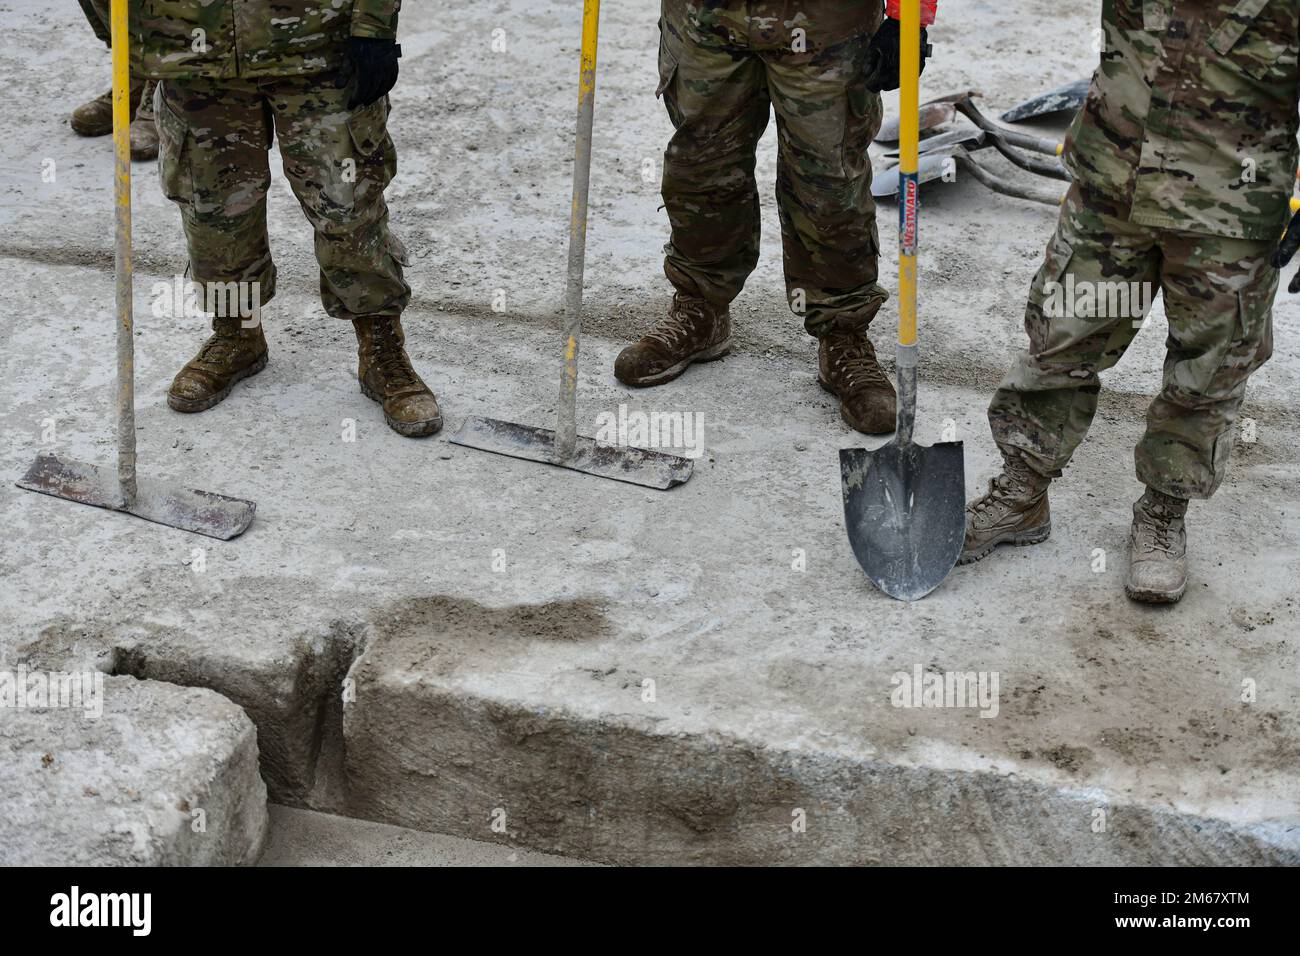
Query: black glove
column 370, row 64
column 1286, row 249
column 882, row 57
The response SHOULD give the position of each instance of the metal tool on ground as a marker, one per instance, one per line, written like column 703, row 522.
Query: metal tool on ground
column 943, row 164
column 563, row 446
column 904, row 503
column 1062, row 99
column 972, row 139
column 202, row 512
column 965, row 105
column 930, row 115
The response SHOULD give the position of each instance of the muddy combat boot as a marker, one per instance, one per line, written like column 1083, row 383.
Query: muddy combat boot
column 1014, row 511
column 694, row 331
column 847, row 368
column 1157, row 549
column 144, row 131
column 232, row 353
column 95, row 118
column 386, row 376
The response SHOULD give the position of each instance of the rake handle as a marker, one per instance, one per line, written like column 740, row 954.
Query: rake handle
column 122, row 273
column 909, row 136
column 566, row 428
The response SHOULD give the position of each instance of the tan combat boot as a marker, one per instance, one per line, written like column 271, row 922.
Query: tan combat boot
column 95, row 118
column 1157, row 549
column 232, row 354
column 695, row 330
column 386, row 376
column 847, row 368
column 1014, row 511
column 144, row 131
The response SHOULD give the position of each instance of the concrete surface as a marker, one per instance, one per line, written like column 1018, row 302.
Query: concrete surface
column 164, row 776
column 500, row 619
column 307, row 838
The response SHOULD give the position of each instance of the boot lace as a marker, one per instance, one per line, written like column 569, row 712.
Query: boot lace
column 854, row 361
column 1156, row 533
column 1003, row 489
column 686, row 315
column 390, row 358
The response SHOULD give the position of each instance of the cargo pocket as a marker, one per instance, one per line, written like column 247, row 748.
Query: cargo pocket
column 1047, row 303
column 368, row 165
column 174, row 140
column 667, row 89
column 863, row 114
column 1264, row 50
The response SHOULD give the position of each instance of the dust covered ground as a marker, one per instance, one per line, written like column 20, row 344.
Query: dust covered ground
column 419, row 566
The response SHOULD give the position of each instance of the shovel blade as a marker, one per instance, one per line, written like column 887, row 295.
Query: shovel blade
column 932, row 114
column 202, row 512
column 930, row 166
column 637, row 466
column 1068, row 97
column 905, row 511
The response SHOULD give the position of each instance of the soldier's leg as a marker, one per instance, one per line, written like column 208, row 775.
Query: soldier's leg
column 826, row 119
column 1219, row 299
column 338, row 161
column 1085, row 305
column 214, row 137
column 713, row 90
column 95, row 117
column 715, row 95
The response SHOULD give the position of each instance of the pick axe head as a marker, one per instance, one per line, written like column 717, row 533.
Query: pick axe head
column 905, row 512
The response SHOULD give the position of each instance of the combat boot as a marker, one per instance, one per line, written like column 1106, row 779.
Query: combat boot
column 386, row 376
column 695, row 330
column 232, row 354
column 95, row 118
column 847, row 368
column 144, row 131
column 1014, row 511
column 1157, row 549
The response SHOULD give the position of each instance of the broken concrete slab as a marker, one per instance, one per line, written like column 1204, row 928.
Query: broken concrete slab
column 163, row 776
column 300, row 837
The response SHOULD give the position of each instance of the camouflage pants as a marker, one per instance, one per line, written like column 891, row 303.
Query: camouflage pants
column 723, row 66
column 96, row 12
column 214, row 137
column 1218, row 296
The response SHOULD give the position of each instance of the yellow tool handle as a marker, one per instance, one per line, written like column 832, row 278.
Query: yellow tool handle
column 909, row 105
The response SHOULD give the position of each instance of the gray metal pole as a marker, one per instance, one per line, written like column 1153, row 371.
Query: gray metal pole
column 122, row 253
column 566, row 428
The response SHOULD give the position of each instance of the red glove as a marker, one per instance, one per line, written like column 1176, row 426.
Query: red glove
column 928, row 10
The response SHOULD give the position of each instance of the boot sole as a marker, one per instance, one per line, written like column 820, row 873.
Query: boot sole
column 1144, row 596
column 893, row 423
column 711, row 354
column 189, row 406
column 407, row 429
column 1019, row 539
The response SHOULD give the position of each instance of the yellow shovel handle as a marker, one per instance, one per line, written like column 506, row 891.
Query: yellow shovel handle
column 909, row 105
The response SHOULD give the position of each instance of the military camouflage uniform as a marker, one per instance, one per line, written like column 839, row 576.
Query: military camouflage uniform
column 723, row 65
column 235, row 76
column 1183, row 158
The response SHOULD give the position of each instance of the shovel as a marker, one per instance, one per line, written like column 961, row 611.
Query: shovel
column 975, row 139
column 1069, row 97
column 202, row 512
column 934, row 164
column 931, row 114
column 904, row 504
column 563, row 446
